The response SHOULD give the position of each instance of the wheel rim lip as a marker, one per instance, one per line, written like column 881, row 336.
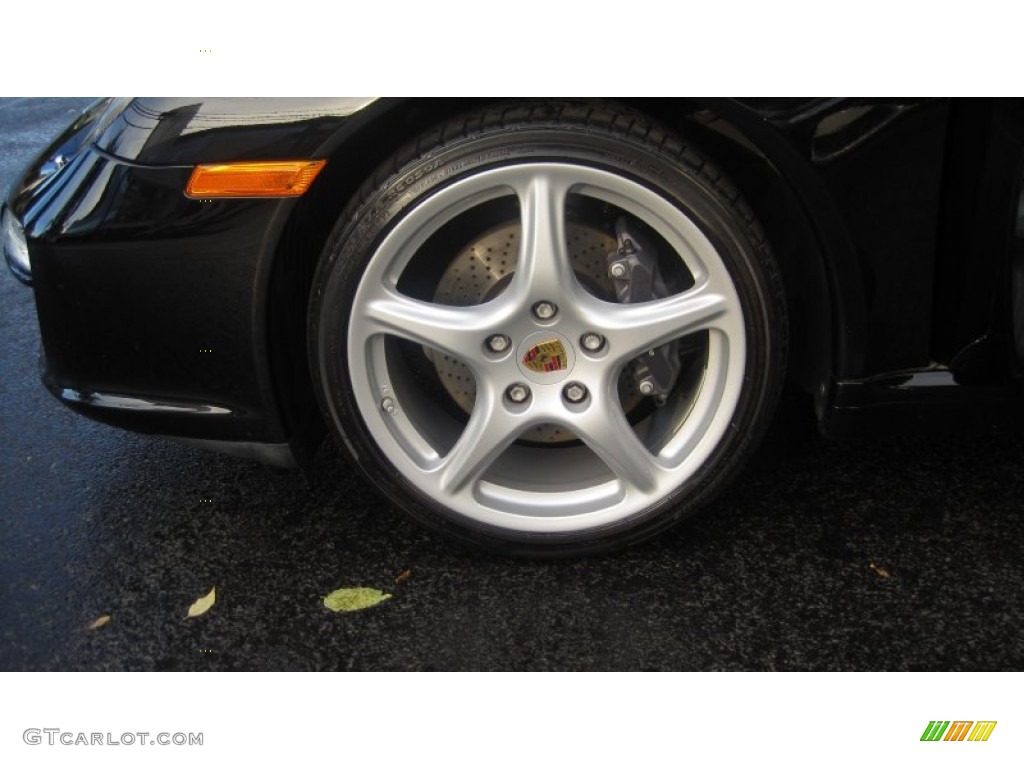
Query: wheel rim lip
column 495, row 501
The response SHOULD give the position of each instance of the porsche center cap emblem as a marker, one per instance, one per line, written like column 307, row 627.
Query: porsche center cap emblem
column 546, row 357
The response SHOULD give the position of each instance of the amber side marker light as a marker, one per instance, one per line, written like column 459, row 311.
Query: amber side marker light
column 263, row 179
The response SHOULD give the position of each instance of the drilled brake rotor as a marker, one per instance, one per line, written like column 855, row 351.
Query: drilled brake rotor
column 482, row 269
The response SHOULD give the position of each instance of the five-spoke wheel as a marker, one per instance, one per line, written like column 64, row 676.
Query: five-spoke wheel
column 561, row 346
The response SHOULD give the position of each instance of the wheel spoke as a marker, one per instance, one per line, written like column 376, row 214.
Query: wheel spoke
column 543, row 269
column 635, row 328
column 455, row 331
column 487, row 434
column 607, row 433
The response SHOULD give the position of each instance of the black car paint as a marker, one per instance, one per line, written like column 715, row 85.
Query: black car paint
column 892, row 221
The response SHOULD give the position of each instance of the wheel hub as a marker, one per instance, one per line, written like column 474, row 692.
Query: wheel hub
column 482, row 269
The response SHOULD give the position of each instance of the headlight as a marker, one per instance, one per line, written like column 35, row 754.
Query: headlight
column 16, row 247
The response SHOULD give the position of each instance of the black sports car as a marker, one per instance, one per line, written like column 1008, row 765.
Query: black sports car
column 543, row 327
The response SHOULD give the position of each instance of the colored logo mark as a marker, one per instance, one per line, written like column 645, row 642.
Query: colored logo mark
column 958, row 730
column 546, row 357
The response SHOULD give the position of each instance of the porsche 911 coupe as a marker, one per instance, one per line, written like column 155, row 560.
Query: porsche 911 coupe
column 541, row 327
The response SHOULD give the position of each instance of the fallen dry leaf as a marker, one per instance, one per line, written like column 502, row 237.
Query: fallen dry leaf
column 354, row 599
column 403, row 576
column 102, row 621
column 880, row 570
column 202, row 605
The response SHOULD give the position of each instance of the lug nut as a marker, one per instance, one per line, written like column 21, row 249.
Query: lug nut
column 498, row 343
column 545, row 310
column 387, row 405
column 646, row 387
column 591, row 341
column 574, row 392
column 617, row 270
column 517, row 393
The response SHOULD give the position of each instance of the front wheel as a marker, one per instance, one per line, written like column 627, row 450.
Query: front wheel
column 550, row 330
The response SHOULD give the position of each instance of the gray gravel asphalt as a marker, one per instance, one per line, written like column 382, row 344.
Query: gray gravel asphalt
column 899, row 553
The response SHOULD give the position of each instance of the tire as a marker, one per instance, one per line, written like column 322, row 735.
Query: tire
column 477, row 407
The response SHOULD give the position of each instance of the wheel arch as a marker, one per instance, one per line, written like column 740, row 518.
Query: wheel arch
column 822, row 282
column 821, row 270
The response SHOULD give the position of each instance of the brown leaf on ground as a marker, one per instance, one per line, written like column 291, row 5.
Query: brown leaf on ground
column 102, row 621
column 882, row 571
column 403, row 576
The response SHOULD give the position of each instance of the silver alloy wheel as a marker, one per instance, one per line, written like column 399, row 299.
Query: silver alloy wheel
column 478, row 469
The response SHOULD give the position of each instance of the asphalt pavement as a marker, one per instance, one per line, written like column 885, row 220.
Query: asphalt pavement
column 899, row 553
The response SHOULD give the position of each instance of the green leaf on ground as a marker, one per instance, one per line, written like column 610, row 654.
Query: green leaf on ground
column 354, row 599
column 202, row 605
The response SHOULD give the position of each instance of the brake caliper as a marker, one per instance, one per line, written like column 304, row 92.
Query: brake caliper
column 633, row 268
